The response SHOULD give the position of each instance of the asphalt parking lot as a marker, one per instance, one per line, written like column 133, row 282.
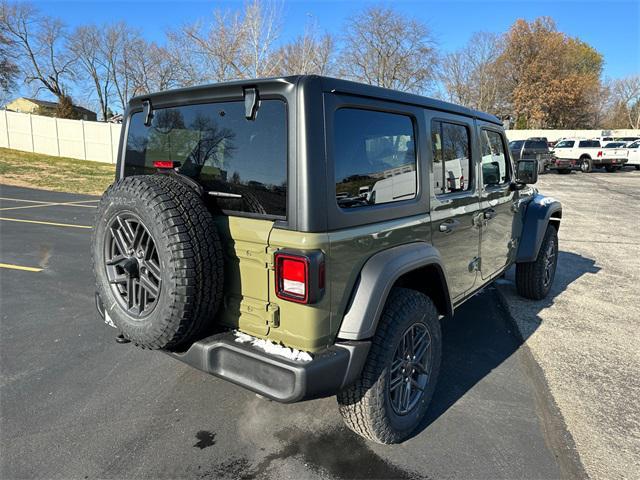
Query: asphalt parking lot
column 585, row 335
column 74, row 404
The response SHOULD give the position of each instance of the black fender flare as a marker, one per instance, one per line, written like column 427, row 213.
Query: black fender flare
column 377, row 277
column 537, row 215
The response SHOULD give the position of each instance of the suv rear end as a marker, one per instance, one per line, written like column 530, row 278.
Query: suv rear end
column 532, row 148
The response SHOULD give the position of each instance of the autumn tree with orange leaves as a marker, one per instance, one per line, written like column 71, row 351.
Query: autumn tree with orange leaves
column 552, row 80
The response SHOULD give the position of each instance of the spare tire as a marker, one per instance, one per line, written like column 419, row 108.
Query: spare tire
column 157, row 260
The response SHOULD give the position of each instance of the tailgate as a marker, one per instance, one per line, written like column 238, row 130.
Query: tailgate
column 246, row 287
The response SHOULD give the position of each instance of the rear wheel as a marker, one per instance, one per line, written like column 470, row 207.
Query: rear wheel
column 586, row 165
column 157, row 260
column 392, row 395
column 534, row 279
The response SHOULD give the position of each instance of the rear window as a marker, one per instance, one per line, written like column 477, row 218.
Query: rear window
column 589, row 144
column 516, row 144
column 537, row 144
column 242, row 162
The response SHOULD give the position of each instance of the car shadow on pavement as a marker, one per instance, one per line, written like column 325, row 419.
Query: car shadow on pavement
column 482, row 335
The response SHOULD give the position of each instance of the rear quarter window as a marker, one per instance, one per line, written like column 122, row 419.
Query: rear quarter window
column 243, row 162
column 375, row 157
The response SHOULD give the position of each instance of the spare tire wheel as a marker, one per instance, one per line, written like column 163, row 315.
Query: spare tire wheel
column 157, row 260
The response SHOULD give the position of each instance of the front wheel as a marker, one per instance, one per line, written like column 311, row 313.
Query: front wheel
column 534, row 279
column 392, row 395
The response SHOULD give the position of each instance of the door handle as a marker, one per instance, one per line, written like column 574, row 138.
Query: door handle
column 448, row 226
column 489, row 214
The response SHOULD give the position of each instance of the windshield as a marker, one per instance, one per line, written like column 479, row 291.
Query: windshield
column 244, row 160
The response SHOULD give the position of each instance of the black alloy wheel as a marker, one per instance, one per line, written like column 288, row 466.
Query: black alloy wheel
column 132, row 264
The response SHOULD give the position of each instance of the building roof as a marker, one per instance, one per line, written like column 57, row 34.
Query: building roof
column 48, row 104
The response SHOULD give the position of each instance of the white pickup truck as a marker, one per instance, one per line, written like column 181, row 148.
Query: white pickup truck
column 590, row 154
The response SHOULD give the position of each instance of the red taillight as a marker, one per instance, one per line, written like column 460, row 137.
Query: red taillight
column 164, row 164
column 292, row 277
column 300, row 276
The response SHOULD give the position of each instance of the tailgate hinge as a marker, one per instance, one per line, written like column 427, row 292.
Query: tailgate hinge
column 273, row 315
column 269, row 258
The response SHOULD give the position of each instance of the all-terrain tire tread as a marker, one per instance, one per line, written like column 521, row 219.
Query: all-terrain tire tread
column 359, row 403
column 530, row 275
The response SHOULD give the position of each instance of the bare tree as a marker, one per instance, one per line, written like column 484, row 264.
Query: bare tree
column 231, row 45
column 383, row 47
column 152, row 67
column 262, row 25
column 39, row 43
column 310, row 53
column 626, row 93
column 9, row 70
column 471, row 75
column 119, row 42
column 87, row 43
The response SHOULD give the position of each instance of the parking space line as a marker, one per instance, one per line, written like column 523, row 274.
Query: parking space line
column 71, row 225
column 40, row 205
column 20, row 267
column 44, row 201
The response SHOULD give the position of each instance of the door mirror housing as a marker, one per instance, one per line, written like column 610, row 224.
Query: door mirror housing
column 527, row 172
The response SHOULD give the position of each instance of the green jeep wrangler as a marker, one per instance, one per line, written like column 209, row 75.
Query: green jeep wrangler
column 303, row 236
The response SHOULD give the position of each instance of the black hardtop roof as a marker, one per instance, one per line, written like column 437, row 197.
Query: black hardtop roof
column 328, row 84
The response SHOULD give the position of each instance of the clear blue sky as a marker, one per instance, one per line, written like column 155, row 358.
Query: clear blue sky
column 612, row 27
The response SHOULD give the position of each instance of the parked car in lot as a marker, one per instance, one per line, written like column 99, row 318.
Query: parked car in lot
column 588, row 154
column 258, row 259
column 617, row 153
column 633, row 154
column 532, row 148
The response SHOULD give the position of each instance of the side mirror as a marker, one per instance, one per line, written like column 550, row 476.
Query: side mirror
column 527, row 171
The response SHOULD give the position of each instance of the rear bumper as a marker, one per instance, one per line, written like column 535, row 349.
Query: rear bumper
column 272, row 376
column 276, row 377
column 562, row 164
column 610, row 161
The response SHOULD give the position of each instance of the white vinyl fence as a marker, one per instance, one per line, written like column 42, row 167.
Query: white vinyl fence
column 99, row 141
column 60, row 137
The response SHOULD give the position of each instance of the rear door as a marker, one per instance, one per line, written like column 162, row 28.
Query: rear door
column 497, row 202
column 454, row 200
column 241, row 164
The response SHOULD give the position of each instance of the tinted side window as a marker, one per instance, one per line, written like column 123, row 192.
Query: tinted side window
column 495, row 168
column 244, row 160
column 589, row 144
column 375, row 157
column 565, row 144
column 451, row 157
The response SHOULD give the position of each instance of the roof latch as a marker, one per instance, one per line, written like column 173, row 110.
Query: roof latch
column 148, row 112
column 251, row 103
